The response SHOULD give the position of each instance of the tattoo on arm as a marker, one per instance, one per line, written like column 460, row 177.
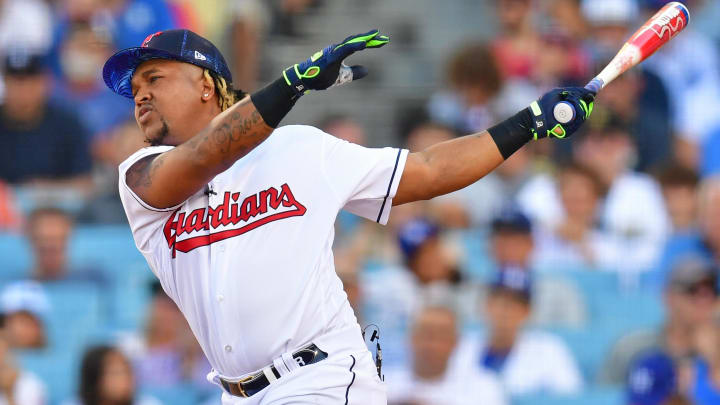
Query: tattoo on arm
column 141, row 173
column 211, row 151
column 233, row 137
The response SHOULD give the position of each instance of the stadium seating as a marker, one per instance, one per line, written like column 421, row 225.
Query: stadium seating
column 82, row 314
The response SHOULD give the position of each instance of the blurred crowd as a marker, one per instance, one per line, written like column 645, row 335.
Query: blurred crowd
column 584, row 269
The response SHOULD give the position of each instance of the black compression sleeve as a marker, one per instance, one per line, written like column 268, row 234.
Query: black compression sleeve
column 511, row 134
column 274, row 101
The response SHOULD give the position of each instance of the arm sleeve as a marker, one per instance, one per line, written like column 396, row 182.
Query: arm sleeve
column 364, row 180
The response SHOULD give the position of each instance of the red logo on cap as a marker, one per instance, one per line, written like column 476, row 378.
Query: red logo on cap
column 146, row 42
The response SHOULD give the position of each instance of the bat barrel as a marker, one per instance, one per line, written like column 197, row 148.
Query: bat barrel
column 656, row 32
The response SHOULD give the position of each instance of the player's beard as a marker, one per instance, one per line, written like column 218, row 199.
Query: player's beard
column 158, row 140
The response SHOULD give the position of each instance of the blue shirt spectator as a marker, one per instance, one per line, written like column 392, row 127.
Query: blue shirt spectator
column 703, row 241
column 81, row 87
column 703, row 391
column 38, row 140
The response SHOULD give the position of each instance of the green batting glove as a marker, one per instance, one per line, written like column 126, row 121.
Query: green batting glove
column 326, row 69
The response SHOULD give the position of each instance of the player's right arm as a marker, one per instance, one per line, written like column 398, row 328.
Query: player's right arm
column 167, row 179
column 455, row 164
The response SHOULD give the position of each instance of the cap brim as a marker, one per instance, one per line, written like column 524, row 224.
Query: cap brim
column 120, row 68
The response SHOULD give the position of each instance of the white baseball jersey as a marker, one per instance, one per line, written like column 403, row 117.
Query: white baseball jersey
column 250, row 264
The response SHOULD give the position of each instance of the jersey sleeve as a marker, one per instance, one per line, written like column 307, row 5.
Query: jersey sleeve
column 143, row 218
column 364, row 180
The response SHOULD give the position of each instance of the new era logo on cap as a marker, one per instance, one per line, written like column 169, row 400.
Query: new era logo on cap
column 199, row 56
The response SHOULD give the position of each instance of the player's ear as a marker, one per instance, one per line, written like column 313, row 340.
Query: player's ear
column 208, row 88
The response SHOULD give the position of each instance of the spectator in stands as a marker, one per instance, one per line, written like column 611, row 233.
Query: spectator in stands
column 690, row 299
column 689, row 68
column 48, row 231
column 560, row 61
column 248, row 27
column 475, row 81
column 106, row 377
column 431, row 379
column 109, row 151
column 633, row 211
column 575, row 242
column 394, row 294
column 26, row 24
column 640, row 97
column 555, row 301
column 82, row 55
column 40, row 143
column 517, row 43
column 134, row 20
column 652, row 380
column 527, row 362
column 703, row 240
column 426, row 256
column 167, row 355
column 567, row 15
column 17, row 386
column 23, row 307
column 680, row 187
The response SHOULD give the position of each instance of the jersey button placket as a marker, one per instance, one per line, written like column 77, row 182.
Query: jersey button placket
column 228, row 348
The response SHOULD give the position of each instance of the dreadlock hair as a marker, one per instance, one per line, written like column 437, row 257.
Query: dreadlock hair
column 227, row 96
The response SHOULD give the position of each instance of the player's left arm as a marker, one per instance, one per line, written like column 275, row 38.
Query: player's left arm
column 455, row 164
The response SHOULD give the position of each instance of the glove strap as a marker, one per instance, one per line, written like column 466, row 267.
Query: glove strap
column 511, row 134
column 293, row 78
column 540, row 122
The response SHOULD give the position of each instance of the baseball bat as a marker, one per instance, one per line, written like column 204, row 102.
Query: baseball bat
column 656, row 32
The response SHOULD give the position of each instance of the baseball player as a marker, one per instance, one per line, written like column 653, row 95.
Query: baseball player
column 238, row 224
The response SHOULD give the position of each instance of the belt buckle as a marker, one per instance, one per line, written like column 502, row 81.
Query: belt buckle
column 239, row 385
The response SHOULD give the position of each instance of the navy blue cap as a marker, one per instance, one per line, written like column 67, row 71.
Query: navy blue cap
column 181, row 45
column 651, row 379
column 414, row 234
column 514, row 279
column 24, row 62
column 511, row 220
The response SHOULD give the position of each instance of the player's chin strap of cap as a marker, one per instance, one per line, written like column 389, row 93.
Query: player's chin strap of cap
column 256, row 382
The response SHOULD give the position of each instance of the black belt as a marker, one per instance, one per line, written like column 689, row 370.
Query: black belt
column 255, row 383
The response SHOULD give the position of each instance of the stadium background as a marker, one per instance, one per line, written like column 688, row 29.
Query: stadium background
column 645, row 169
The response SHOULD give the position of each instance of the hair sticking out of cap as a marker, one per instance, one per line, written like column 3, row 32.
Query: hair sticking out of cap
column 227, row 96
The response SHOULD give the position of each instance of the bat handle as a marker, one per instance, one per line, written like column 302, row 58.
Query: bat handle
column 564, row 112
column 595, row 85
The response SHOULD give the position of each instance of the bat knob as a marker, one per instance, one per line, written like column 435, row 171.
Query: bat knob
column 564, row 112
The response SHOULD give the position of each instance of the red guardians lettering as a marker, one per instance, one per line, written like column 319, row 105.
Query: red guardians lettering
column 249, row 213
